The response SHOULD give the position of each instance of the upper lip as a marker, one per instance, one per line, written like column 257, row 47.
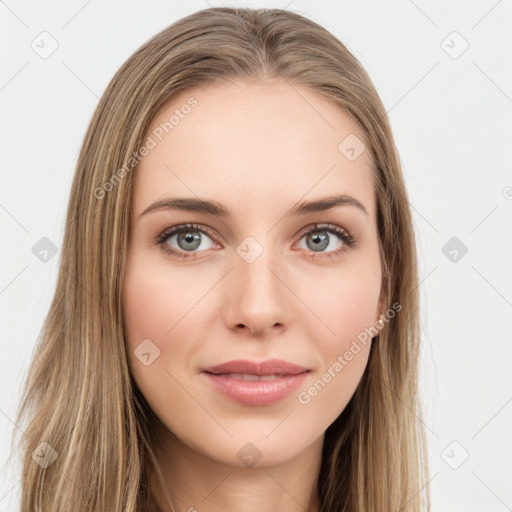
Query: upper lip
column 268, row 367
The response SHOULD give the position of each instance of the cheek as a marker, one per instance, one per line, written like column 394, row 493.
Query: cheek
column 343, row 343
column 154, row 301
column 151, row 308
column 352, row 309
column 164, row 307
column 347, row 303
column 145, row 309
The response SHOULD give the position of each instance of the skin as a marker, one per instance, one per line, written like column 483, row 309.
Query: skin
column 258, row 147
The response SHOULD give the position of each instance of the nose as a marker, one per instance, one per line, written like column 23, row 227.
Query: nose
column 255, row 296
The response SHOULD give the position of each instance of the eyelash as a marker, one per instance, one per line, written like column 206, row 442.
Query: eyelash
column 348, row 240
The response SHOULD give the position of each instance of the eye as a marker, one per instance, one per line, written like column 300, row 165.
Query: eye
column 191, row 237
column 320, row 238
column 188, row 237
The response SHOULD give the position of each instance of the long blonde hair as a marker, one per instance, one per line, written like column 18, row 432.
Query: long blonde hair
column 88, row 425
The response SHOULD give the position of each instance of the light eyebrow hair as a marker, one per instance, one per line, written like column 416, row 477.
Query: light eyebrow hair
column 214, row 208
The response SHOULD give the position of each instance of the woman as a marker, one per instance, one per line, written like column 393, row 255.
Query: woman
column 235, row 323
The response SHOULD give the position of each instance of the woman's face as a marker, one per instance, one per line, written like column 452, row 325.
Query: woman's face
column 254, row 285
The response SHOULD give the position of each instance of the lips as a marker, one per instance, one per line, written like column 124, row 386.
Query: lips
column 250, row 377
column 256, row 384
column 266, row 368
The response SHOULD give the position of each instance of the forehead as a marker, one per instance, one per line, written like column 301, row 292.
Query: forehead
column 251, row 145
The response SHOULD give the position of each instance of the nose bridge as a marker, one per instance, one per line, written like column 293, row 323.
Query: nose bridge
column 257, row 295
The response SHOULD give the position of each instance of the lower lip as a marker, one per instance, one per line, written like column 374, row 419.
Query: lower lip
column 256, row 393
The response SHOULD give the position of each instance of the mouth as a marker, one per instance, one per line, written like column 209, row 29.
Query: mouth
column 270, row 367
column 247, row 377
column 256, row 384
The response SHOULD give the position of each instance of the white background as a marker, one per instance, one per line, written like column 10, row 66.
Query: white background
column 452, row 119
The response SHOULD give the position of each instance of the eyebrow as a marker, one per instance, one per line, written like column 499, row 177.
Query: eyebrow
column 214, row 208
